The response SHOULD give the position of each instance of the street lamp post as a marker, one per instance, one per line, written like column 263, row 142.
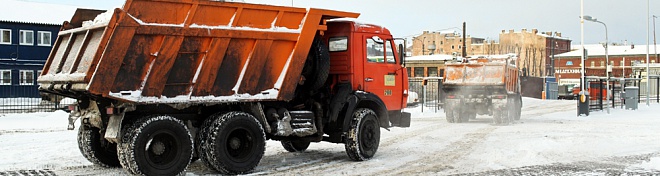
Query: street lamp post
column 607, row 60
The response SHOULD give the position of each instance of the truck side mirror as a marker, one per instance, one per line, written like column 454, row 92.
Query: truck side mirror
column 402, row 54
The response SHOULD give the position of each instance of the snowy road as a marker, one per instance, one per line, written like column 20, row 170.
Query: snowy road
column 549, row 140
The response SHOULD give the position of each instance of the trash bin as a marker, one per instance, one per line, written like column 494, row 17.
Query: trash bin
column 583, row 103
column 631, row 97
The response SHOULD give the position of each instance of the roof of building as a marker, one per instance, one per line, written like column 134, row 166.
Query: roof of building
column 436, row 57
column 599, row 50
column 21, row 11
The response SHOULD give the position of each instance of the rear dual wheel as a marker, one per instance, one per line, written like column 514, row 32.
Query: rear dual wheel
column 95, row 148
column 235, row 143
column 156, row 145
column 295, row 146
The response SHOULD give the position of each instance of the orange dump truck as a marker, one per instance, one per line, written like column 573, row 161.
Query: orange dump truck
column 484, row 86
column 161, row 83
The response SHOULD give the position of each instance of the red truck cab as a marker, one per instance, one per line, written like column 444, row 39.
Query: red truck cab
column 379, row 68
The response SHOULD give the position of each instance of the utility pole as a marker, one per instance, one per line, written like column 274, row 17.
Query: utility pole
column 648, row 81
column 655, row 46
column 464, row 50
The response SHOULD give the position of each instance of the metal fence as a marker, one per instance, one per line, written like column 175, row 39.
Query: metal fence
column 598, row 94
column 429, row 91
column 30, row 104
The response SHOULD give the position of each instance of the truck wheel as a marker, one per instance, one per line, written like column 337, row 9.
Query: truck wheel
column 317, row 66
column 518, row 109
column 363, row 136
column 235, row 144
column 201, row 136
column 464, row 117
column 295, row 146
column 449, row 115
column 156, row 145
column 95, row 148
column 497, row 117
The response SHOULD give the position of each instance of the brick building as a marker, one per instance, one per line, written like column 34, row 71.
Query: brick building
column 622, row 58
column 447, row 43
column 534, row 48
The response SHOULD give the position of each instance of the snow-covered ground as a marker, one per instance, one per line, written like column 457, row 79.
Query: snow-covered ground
column 549, row 140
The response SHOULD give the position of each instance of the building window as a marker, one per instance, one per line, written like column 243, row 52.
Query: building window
column 441, row 42
column 621, row 63
column 441, row 73
column 432, row 71
column 43, row 38
column 593, row 63
column 602, row 63
column 612, row 63
column 26, row 77
column 569, row 62
column 5, row 36
column 419, row 72
column 26, row 37
column 5, row 77
column 452, row 47
column 408, row 69
column 652, row 61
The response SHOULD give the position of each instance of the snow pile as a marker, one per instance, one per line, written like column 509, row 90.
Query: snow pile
column 653, row 164
column 102, row 18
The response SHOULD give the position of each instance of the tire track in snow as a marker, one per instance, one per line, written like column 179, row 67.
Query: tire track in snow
column 454, row 151
column 333, row 162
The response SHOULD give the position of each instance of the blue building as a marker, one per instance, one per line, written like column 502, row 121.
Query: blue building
column 28, row 31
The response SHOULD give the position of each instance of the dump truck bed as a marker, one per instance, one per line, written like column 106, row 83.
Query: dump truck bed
column 481, row 74
column 160, row 51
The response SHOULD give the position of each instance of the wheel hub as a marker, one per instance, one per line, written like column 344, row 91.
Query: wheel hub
column 158, row 148
column 234, row 143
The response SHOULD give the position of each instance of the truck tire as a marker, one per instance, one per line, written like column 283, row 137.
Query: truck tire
column 317, row 66
column 517, row 108
column 497, row 117
column 449, row 115
column 295, row 146
column 156, row 145
column 235, row 144
column 95, row 148
column 201, row 136
column 363, row 137
column 464, row 117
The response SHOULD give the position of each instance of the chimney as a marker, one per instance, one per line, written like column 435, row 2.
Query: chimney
column 503, row 31
column 548, row 33
column 524, row 30
column 425, row 32
column 511, row 31
column 558, row 34
column 535, row 31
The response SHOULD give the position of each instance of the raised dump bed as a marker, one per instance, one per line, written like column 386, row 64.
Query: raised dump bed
column 195, row 51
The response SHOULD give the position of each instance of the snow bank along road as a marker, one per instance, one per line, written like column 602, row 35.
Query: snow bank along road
column 548, row 140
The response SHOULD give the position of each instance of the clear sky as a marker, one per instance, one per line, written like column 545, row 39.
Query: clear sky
column 625, row 19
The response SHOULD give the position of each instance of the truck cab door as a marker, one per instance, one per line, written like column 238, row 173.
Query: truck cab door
column 382, row 72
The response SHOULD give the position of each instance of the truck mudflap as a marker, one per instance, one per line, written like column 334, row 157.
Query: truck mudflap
column 399, row 118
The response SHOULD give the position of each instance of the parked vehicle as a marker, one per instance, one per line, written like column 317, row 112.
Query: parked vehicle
column 161, row 83
column 483, row 86
column 413, row 98
column 565, row 92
